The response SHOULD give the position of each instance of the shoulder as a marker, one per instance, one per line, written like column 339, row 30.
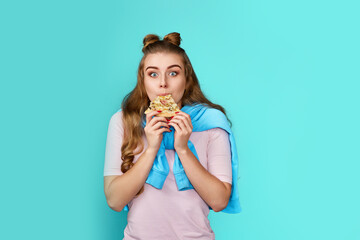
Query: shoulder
column 117, row 115
column 217, row 132
column 208, row 135
column 116, row 120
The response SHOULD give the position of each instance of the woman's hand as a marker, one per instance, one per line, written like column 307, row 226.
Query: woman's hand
column 154, row 129
column 183, row 129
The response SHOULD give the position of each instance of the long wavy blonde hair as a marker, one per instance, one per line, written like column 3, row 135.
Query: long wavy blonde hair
column 136, row 102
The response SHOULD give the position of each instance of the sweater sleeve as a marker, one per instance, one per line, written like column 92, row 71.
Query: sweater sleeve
column 114, row 140
column 219, row 155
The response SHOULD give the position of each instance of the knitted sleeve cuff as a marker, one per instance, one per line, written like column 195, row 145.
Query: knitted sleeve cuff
column 156, row 178
column 182, row 182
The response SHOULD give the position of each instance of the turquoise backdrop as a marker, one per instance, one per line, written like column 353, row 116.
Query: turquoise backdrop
column 287, row 72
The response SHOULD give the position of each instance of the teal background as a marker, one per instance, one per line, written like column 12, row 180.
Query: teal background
column 287, row 73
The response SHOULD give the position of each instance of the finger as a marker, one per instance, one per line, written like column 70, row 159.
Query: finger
column 175, row 125
column 161, row 130
column 186, row 117
column 150, row 115
column 182, row 122
column 156, row 119
column 160, row 124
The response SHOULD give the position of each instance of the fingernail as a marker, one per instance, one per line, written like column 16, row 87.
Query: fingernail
column 176, row 112
column 159, row 111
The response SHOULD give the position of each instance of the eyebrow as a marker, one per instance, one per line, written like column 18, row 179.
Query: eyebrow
column 175, row 65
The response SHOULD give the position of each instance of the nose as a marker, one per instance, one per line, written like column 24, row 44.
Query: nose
column 163, row 81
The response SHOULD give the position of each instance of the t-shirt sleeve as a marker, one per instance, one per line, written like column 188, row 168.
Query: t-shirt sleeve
column 219, row 155
column 114, row 140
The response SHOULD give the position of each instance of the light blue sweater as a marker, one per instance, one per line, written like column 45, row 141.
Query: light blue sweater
column 202, row 118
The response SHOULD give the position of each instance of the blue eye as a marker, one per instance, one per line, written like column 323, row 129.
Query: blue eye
column 173, row 72
column 151, row 74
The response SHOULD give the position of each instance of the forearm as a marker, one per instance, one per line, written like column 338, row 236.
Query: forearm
column 124, row 188
column 209, row 187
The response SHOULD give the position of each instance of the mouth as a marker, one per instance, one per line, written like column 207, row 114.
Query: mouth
column 163, row 94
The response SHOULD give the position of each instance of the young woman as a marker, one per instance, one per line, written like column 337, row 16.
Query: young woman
column 169, row 173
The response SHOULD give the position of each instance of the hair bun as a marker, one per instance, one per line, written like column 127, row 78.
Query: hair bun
column 173, row 38
column 149, row 39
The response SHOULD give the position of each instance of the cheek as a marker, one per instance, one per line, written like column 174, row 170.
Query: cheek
column 183, row 86
column 180, row 83
column 146, row 83
column 150, row 90
column 180, row 91
column 149, row 85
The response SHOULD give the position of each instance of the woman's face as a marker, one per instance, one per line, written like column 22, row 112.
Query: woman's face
column 164, row 74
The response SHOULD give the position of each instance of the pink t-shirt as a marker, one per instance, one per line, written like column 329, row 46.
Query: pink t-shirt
column 168, row 213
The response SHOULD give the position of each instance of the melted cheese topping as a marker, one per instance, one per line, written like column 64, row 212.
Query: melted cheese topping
column 164, row 103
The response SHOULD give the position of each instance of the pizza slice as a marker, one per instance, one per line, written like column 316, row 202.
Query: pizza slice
column 166, row 104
